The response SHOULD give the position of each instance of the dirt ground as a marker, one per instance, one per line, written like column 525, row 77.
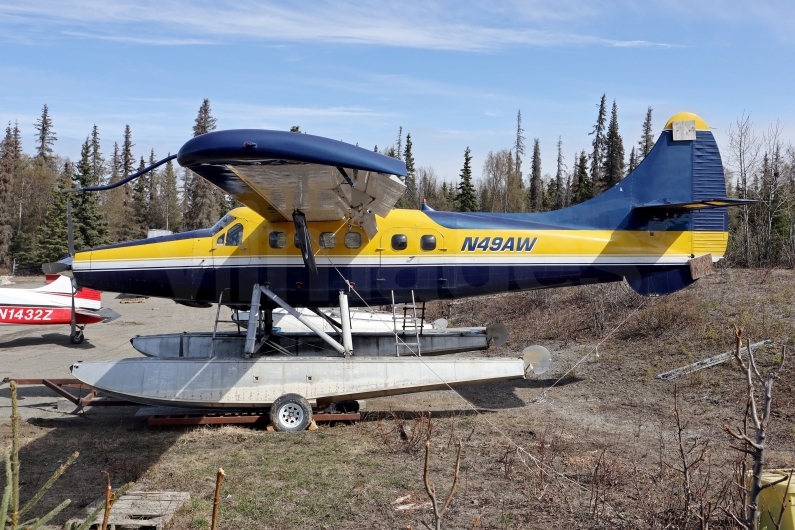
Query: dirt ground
column 592, row 443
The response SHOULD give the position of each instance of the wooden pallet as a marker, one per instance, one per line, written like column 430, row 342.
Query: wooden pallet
column 139, row 509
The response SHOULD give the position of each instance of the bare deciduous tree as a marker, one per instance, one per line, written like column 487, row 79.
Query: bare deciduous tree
column 753, row 438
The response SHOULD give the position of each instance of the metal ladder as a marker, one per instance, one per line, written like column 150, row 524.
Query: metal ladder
column 417, row 327
column 217, row 320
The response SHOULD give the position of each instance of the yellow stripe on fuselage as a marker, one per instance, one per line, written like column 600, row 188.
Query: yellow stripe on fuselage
column 550, row 246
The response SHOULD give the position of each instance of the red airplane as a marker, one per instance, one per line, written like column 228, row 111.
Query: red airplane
column 57, row 302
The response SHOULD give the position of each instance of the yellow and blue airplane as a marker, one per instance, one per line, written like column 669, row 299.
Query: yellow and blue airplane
column 319, row 217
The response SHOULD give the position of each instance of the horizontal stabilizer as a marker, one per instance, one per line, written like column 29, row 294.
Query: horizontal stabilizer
column 108, row 314
column 719, row 202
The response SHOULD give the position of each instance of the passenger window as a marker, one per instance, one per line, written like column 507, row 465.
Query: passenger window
column 353, row 240
column 400, row 242
column 428, row 243
column 220, row 240
column 277, row 239
column 235, row 236
column 328, row 239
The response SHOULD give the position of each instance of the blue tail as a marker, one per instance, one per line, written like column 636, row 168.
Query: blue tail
column 679, row 186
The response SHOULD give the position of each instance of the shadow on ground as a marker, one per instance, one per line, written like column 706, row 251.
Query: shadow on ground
column 59, row 339
column 503, row 395
column 111, row 440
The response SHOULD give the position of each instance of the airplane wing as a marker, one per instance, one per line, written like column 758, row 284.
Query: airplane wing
column 277, row 173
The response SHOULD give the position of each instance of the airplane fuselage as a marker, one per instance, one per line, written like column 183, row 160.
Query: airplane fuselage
column 411, row 252
column 645, row 228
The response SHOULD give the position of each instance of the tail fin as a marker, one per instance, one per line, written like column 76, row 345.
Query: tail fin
column 678, row 187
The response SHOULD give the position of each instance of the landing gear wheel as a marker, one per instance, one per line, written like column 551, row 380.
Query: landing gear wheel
column 77, row 337
column 290, row 413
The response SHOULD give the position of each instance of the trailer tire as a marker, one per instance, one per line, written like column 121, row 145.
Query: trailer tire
column 290, row 413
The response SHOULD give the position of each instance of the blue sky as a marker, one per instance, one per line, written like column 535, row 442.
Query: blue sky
column 453, row 74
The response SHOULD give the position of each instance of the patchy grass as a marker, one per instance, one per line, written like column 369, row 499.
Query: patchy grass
column 598, row 451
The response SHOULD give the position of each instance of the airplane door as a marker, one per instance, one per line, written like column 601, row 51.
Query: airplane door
column 436, row 270
column 397, row 270
column 231, row 256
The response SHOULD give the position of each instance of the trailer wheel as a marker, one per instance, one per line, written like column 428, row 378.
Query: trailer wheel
column 290, row 413
column 77, row 337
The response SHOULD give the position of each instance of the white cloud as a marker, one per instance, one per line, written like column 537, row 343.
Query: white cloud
column 427, row 25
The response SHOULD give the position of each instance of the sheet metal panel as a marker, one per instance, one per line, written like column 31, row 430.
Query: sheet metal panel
column 240, row 383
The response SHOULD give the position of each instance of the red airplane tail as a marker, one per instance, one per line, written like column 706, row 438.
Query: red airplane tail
column 85, row 293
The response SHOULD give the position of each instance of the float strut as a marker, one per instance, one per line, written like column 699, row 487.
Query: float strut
column 253, row 323
column 345, row 320
column 316, row 330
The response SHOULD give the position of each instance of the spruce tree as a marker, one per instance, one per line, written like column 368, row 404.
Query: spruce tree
column 575, row 179
column 52, row 239
column 169, row 198
column 633, row 161
column 399, row 143
column 518, row 147
column 515, row 200
column 599, row 146
column 560, row 187
column 127, row 157
column 205, row 122
column 409, row 199
column 583, row 190
column 450, row 197
column 17, row 142
column 647, row 137
column 115, row 164
column 550, row 194
column 203, row 201
column 119, row 206
column 154, row 213
column 536, row 186
column 45, row 136
column 486, row 201
column 614, row 155
column 139, row 221
column 88, row 220
column 8, row 166
column 466, row 199
column 96, row 159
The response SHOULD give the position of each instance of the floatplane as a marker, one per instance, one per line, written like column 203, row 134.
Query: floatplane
column 319, row 229
column 58, row 302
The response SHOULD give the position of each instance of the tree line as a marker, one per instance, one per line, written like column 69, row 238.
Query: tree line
column 33, row 210
column 33, row 226
column 503, row 187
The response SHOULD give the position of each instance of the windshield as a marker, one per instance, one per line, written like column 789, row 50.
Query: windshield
column 225, row 220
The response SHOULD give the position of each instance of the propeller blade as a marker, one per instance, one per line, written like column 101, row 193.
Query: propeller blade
column 70, row 230
column 57, row 267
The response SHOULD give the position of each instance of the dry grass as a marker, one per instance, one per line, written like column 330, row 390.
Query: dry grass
column 599, row 452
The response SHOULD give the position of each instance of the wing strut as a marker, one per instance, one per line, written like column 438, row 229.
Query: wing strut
column 305, row 243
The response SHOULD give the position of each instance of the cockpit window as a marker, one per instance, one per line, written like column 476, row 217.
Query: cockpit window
column 222, row 223
column 235, row 236
column 220, row 240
